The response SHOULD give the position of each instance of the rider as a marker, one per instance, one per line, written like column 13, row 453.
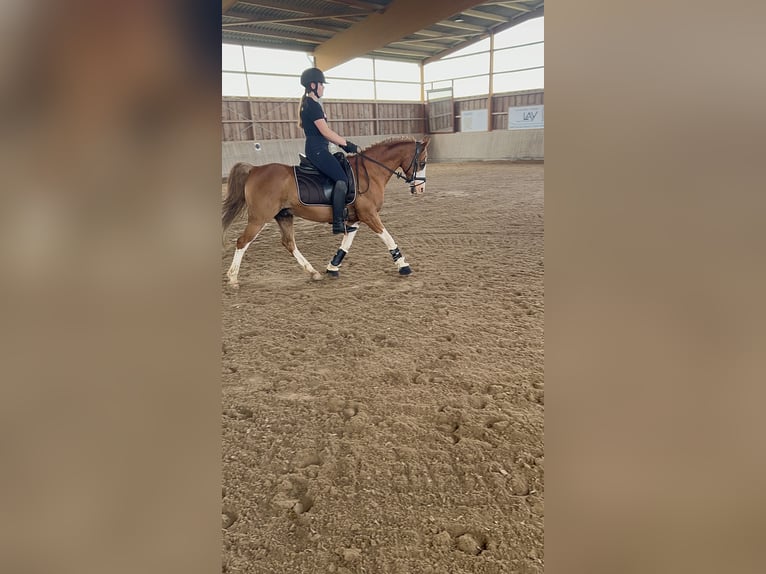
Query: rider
column 318, row 135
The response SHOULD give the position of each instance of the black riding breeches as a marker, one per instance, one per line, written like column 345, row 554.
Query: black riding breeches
column 324, row 161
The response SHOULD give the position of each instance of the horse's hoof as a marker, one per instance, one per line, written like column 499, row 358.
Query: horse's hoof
column 333, row 273
column 405, row 270
column 316, row 277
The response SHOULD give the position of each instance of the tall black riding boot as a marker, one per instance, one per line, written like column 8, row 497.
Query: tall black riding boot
column 338, row 204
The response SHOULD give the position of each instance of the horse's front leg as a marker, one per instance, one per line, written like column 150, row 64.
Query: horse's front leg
column 333, row 267
column 377, row 226
column 396, row 255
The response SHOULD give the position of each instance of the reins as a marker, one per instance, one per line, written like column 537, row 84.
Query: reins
column 413, row 164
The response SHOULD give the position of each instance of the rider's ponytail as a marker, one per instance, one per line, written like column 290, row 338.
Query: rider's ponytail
column 300, row 109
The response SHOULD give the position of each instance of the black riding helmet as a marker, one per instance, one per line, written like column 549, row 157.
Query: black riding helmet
column 312, row 75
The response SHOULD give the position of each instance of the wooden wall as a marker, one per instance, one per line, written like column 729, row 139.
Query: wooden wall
column 500, row 105
column 257, row 119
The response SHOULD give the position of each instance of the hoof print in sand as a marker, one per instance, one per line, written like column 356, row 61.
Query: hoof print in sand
column 228, row 518
column 471, row 543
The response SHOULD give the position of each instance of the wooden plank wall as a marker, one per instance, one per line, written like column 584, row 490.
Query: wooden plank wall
column 256, row 119
column 500, row 105
column 441, row 116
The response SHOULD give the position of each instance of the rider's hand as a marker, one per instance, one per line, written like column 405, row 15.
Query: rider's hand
column 350, row 147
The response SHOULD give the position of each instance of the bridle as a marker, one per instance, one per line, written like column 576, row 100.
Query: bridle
column 414, row 167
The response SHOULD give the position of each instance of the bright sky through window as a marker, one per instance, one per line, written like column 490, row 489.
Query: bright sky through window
column 518, row 65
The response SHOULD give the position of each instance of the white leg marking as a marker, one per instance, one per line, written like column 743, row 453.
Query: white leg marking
column 235, row 263
column 385, row 236
column 348, row 239
column 303, row 262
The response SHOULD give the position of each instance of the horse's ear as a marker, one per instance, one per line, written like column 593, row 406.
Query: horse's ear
column 426, row 139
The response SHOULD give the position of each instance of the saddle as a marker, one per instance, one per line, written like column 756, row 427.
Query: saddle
column 315, row 188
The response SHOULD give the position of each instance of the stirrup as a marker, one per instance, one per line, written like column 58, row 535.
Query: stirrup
column 336, row 230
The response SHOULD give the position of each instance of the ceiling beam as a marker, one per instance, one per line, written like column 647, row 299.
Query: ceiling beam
column 275, row 5
column 399, row 54
column 510, row 5
column 461, row 25
column 413, row 51
column 484, row 15
column 513, row 6
column 400, row 19
column 280, row 21
column 538, row 12
column 283, row 7
column 428, row 33
column 431, row 43
column 254, row 35
column 369, row 6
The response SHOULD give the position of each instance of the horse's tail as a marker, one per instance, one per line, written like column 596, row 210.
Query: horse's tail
column 234, row 202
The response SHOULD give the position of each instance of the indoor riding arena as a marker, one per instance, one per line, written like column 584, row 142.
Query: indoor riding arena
column 377, row 422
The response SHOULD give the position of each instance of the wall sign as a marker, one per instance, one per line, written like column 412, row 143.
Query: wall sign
column 473, row 121
column 525, row 117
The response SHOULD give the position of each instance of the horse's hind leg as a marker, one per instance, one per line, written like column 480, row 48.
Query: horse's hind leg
column 285, row 222
column 333, row 267
column 243, row 242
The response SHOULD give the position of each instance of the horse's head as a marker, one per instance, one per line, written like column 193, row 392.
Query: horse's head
column 414, row 166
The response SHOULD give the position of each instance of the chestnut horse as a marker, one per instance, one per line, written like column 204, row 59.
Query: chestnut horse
column 269, row 192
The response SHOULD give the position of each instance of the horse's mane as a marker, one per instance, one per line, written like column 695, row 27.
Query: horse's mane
column 389, row 142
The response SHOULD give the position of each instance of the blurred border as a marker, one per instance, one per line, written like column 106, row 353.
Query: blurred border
column 109, row 294
column 654, row 326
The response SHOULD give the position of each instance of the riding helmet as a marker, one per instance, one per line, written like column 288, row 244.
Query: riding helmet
column 312, row 75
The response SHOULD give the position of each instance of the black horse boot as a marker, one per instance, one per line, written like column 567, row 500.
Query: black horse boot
column 338, row 207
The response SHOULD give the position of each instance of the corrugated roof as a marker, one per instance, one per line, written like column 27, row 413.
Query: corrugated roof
column 303, row 25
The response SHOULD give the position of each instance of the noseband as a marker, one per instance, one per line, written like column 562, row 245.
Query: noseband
column 416, row 166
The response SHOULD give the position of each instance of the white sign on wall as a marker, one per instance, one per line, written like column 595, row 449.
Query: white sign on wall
column 525, row 117
column 473, row 121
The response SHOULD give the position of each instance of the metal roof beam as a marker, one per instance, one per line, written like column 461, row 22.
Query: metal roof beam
column 511, row 5
column 460, row 26
column 400, row 19
column 514, row 7
column 282, row 21
column 316, row 40
column 412, row 51
column 399, row 53
column 484, row 15
column 369, row 6
column 430, row 43
column 285, row 7
column 537, row 13
column 274, row 5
